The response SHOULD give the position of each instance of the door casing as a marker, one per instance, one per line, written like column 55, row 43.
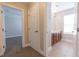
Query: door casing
column 23, row 35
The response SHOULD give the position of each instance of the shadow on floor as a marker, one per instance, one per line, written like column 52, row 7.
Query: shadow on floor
column 14, row 49
column 23, row 52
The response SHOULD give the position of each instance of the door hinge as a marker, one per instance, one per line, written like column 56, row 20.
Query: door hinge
column 1, row 11
column 2, row 29
column 3, row 46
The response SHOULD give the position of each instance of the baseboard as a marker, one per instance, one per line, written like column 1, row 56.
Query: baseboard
column 13, row 36
column 39, row 51
column 42, row 53
column 1, row 54
column 49, row 48
column 26, row 45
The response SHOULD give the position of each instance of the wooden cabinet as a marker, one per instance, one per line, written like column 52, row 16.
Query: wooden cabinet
column 56, row 37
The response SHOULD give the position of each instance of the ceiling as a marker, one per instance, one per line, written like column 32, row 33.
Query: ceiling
column 60, row 6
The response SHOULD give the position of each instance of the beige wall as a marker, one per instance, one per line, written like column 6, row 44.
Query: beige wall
column 21, row 6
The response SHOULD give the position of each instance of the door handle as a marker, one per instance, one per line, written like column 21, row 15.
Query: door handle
column 77, row 29
column 36, row 31
column 3, row 30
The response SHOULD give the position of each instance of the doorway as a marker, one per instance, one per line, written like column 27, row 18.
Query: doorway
column 34, row 27
column 69, row 27
column 12, row 29
column 64, row 22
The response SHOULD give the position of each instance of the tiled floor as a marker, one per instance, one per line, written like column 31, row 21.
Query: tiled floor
column 64, row 48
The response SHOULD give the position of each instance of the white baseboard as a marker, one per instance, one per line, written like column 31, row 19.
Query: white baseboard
column 26, row 45
column 42, row 53
column 12, row 36
column 1, row 53
column 49, row 48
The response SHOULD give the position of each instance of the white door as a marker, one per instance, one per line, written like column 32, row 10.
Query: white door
column 33, row 23
column 2, row 41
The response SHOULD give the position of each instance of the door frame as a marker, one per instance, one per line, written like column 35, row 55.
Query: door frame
column 22, row 13
column 77, row 39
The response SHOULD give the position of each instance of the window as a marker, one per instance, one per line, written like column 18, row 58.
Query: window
column 69, row 23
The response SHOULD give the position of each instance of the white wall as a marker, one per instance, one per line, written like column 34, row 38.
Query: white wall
column 60, row 6
column 59, row 9
column 47, row 28
column 58, row 20
column 12, row 22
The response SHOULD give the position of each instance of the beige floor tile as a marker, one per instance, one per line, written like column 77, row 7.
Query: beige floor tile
column 64, row 48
